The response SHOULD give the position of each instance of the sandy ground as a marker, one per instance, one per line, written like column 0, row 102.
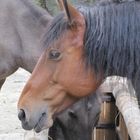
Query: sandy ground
column 10, row 127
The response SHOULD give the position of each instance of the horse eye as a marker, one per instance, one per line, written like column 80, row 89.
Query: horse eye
column 54, row 54
column 72, row 114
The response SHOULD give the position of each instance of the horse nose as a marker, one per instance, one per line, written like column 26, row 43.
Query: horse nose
column 22, row 115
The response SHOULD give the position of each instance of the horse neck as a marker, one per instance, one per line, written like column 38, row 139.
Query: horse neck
column 31, row 21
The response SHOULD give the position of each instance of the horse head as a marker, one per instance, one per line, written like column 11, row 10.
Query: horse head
column 60, row 77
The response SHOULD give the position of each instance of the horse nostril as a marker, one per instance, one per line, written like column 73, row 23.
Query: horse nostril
column 21, row 115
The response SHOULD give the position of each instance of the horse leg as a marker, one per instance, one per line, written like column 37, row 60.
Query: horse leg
column 2, row 82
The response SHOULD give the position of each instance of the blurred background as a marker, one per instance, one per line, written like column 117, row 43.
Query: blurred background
column 52, row 7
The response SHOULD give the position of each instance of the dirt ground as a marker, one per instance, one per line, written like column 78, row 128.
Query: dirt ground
column 10, row 127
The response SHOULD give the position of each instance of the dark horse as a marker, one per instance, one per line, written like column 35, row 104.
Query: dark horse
column 83, row 46
column 21, row 26
column 77, row 123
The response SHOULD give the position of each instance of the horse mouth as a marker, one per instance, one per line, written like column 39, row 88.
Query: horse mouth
column 40, row 124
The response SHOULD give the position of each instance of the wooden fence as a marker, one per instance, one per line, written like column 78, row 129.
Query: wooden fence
column 111, row 125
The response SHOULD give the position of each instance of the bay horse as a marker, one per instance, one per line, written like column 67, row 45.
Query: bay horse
column 21, row 26
column 84, row 45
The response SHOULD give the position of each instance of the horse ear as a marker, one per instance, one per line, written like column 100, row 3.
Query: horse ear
column 72, row 14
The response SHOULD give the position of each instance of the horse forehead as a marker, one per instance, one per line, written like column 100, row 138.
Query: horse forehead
column 63, row 44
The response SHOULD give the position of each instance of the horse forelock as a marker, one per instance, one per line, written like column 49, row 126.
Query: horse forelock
column 55, row 30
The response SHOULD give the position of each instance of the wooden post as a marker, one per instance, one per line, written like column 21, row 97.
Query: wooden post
column 127, row 103
column 105, row 129
column 122, row 130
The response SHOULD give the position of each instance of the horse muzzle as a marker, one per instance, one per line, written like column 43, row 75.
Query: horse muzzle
column 38, row 121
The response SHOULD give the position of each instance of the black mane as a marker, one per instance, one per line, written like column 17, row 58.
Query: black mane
column 112, row 37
